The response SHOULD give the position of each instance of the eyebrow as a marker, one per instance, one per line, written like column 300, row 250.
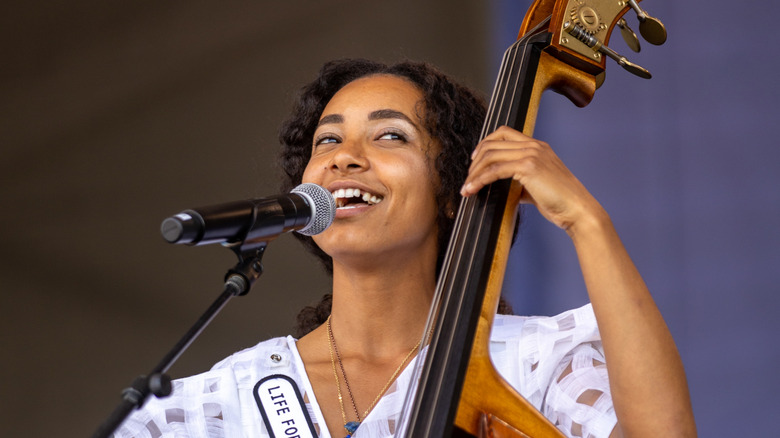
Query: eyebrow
column 374, row 115
column 389, row 114
column 331, row 118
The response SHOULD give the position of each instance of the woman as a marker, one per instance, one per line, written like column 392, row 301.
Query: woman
column 391, row 143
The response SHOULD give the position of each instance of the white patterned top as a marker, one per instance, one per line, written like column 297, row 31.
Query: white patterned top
column 556, row 363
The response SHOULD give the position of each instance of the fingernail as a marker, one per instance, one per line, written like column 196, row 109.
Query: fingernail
column 464, row 191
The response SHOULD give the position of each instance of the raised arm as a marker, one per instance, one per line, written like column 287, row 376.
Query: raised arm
column 647, row 379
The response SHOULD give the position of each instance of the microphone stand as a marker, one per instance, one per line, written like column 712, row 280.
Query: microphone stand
column 238, row 281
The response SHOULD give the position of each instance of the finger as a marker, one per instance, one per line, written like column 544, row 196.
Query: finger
column 487, row 149
column 500, row 164
column 512, row 153
column 496, row 151
column 502, row 134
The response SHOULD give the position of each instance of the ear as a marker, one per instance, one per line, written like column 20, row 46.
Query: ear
column 449, row 210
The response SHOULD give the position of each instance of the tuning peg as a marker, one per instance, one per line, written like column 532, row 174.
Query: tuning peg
column 629, row 36
column 625, row 63
column 589, row 40
column 651, row 28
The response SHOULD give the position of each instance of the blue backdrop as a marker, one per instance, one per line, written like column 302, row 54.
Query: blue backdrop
column 687, row 166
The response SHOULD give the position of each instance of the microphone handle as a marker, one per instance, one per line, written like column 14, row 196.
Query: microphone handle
column 248, row 220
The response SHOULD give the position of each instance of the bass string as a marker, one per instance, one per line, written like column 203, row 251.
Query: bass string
column 501, row 102
column 471, row 212
column 459, row 244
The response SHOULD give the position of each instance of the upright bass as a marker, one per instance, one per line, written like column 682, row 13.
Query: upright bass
column 562, row 46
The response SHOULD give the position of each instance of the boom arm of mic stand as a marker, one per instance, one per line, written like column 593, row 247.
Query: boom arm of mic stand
column 239, row 281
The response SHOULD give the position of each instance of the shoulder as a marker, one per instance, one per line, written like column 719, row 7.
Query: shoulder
column 552, row 361
column 579, row 324
column 248, row 366
column 272, row 350
column 527, row 350
column 219, row 398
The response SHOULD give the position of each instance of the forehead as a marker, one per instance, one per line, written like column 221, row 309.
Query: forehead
column 376, row 92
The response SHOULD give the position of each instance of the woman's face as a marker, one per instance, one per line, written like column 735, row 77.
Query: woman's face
column 373, row 153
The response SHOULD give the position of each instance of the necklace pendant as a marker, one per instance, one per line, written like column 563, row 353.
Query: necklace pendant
column 351, row 427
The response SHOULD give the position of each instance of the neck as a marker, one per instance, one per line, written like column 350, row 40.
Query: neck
column 381, row 310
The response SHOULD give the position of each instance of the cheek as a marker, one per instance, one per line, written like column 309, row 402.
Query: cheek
column 425, row 184
column 310, row 172
column 306, row 176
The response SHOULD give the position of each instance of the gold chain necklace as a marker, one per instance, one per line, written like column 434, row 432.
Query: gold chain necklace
column 352, row 426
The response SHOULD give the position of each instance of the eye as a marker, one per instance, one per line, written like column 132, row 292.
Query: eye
column 326, row 139
column 392, row 135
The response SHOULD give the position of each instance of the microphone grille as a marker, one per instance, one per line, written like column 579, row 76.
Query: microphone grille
column 323, row 208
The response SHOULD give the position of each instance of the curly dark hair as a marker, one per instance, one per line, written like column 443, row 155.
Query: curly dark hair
column 453, row 114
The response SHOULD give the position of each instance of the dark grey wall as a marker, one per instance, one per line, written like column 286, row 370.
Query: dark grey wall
column 116, row 115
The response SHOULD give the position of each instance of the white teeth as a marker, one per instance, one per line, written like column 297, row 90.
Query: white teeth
column 342, row 194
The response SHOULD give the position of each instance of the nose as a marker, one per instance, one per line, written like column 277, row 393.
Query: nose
column 349, row 157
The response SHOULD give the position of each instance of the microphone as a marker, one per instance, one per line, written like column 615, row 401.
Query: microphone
column 308, row 209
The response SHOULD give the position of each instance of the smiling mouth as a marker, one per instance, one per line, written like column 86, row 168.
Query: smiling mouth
column 351, row 198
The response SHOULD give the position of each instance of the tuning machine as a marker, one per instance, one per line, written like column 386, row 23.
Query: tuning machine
column 594, row 43
column 629, row 35
column 651, row 28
